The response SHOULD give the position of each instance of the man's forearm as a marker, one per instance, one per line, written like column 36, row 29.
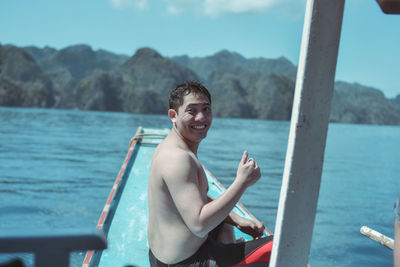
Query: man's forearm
column 216, row 211
column 231, row 218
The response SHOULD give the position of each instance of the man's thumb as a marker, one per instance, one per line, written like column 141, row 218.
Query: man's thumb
column 244, row 157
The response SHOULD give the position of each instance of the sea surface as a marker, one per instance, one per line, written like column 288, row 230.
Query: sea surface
column 57, row 168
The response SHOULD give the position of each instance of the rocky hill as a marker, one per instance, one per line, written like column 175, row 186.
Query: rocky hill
column 204, row 66
column 355, row 103
column 238, row 92
column 148, row 77
column 141, row 85
column 68, row 67
column 396, row 100
column 22, row 82
column 264, row 88
column 79, row 77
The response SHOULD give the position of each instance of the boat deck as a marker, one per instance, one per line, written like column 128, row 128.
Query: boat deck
column 125, row 216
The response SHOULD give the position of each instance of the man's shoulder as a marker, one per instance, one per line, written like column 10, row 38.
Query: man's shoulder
column 171, row 154
column 174, row 162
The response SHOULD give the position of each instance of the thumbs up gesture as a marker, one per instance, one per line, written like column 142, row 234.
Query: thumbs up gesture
column 248, row 171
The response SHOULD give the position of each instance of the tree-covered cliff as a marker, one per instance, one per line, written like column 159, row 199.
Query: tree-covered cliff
column 79, row 77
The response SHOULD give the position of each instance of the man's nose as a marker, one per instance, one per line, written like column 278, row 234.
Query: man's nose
column 200, row 116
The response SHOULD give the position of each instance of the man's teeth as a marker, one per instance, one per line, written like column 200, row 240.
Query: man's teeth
column 199, row 127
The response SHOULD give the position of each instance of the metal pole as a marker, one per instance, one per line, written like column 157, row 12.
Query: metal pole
column 308, row 130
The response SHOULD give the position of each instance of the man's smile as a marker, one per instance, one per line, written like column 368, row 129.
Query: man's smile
column 199, row 127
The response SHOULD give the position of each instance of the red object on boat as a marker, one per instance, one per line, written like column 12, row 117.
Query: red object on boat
column 389, row 6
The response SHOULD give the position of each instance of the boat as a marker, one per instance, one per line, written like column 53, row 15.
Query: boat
column 125, row 214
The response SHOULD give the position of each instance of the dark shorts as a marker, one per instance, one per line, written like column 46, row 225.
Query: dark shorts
column 214, row 253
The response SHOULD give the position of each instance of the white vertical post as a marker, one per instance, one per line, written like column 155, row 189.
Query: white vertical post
column 308, row 130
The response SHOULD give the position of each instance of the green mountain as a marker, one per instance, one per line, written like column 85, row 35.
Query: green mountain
column 98, row 91
column 22, row 81
column 148, row 77
column 40, row 53
column 264, row 89
column 238, row 92
column 396, row 100
column 355, row 103
column 141, row 85
column 204, row 66
column 79, row 77
column 69, row 66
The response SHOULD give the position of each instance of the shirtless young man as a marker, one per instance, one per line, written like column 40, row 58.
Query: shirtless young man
column 181, row 216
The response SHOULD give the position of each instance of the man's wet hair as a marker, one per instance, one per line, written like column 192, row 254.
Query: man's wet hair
column 177, row 94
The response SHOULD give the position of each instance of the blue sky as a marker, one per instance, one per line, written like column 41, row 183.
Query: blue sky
column 369, row 50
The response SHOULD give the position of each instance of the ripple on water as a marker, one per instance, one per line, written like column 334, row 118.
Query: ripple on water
column 57, row 168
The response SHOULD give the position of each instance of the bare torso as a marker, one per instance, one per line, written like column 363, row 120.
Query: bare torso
column 180, row 215
column 169, row 237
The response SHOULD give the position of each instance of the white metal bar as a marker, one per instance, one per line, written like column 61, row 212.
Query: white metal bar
column 52, row 248
column 378, row 237
column 308, row 130
column 72, row 240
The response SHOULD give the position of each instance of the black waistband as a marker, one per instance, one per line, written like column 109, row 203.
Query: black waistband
column 200, row 258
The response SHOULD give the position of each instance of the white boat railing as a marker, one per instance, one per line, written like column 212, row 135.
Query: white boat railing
column 52, row 248
column 308, row 130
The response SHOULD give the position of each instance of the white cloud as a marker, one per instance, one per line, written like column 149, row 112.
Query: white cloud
column 220, row 7
column 174, row 10
column 212, row 8
column 175, row 7
column 215, row 8
column 122, row 4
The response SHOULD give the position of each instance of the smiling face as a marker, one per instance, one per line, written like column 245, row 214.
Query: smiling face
column 193, row 118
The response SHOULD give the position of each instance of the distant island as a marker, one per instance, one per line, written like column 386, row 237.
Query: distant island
column 77, row 77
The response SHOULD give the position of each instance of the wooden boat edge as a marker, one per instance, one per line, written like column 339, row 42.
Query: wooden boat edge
column 105, row 212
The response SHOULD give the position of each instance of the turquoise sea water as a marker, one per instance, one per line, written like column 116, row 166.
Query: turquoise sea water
column 57, row 168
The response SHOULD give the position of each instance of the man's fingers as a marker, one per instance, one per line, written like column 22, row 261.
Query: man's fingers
column 253, row 163
column 244, row 157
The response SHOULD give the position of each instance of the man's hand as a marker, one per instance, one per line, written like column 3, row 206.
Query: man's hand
column 254, row 228
column 248, row 171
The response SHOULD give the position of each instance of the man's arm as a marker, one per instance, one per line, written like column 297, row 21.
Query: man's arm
column 254, row 227
column 251, row 227
column 183, row 184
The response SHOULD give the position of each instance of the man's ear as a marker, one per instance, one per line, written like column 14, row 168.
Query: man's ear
column 172, row 115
